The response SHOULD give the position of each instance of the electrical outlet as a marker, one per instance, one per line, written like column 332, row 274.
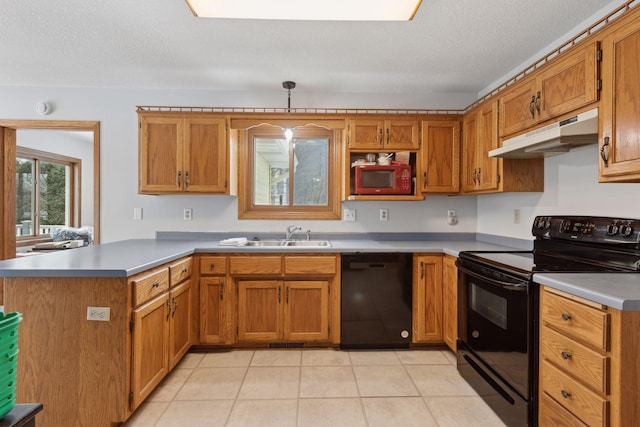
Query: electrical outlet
column 188, row 214
column 516, row 216
column 100, row 314
column 451, row 213
column 384, row 214
column 349, row 215
column 137, row 214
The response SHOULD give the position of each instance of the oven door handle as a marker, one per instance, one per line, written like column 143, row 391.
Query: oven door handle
column 520, row 286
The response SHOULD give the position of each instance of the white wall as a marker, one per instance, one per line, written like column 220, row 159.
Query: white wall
column 570, row 188
column 116, row 111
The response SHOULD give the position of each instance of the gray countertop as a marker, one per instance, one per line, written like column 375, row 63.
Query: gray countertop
column 128, row 257
column 617, row 290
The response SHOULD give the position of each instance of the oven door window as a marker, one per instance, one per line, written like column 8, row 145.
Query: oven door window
column 489, row 305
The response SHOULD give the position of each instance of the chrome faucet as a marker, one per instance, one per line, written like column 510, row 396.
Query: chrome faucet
column 291, row 230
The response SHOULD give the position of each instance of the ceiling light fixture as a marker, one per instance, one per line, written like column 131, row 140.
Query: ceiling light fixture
column 311, row 10
column 289, row 85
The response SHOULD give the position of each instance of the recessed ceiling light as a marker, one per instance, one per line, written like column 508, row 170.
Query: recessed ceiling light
column 313, row 10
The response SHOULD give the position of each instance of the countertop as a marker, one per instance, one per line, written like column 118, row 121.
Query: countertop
column 617, row 290
column 128, row 257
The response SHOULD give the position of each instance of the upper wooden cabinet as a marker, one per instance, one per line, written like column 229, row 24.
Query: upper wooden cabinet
column 391, row 134
column 440, row 157
column 564, row 85
column 480, row 135
column 484, row 174
column 182, row 152
column 619, row 113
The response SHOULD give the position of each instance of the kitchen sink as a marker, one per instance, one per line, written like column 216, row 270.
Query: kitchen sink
column 264, row 243
column 288, row 243
column 317, row 243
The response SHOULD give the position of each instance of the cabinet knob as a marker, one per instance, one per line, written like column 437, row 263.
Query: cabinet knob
column 221, row 291
column 565, row 394
column 186, row 179
column 178, row 178
column 532, row 107
column 566, row 316
column 155, row 285
column 380, row 136
column 537, row 103
column 565, row 355
column 212, row 266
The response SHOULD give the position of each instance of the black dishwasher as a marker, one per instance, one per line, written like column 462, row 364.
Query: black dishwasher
column 376, row 300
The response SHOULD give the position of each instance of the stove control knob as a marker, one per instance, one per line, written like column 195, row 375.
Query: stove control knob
column 547, row 223
column 626, row 230
column 612, row 229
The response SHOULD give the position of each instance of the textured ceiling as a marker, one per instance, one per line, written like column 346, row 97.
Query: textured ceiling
column 450, row 46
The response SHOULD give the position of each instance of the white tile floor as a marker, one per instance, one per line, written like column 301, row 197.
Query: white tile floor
column 310, row 388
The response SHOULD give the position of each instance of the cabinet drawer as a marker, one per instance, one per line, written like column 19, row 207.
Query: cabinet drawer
column 251, row 265
column 553, row 414
column 581, row 362
column 309, row 264
column 576, row 320
column 180, row 270
column 213, row 265
column 148, row 285
column 591, row 408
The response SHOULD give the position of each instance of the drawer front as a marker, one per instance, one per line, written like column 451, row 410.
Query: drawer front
column 310, row 265
column 553, row 414
column 148, row 285
column 591, row 408
column 180, row 270
column 576, row 320
column 213, row 265
column 252, row 265
column 581, row 362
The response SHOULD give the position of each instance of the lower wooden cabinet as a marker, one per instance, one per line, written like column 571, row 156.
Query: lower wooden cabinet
column 274, row 310
column 449, row 301
column 588, row 368
column 180, row 322
column 427, row 298
column 214, row 311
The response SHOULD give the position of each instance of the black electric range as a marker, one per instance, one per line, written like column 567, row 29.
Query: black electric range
column 498, row 303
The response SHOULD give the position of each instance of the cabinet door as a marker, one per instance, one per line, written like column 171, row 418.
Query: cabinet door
column 569, row 84
column 470, row 138
column 401, row 134
column 488, row 176
column 160, row 154
column 205, row 153
column 259, row 310
column 213, row 312
column 619, row 106
column 150, row 347
column 427, row 298
column 517, row 108
column 440, row 157
column 366, row 134
column 179, row 322
column 449, row 302
column 306, row 316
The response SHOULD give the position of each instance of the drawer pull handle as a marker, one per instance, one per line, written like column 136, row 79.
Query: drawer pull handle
column 184, row 270
column 212, row 266
column 156, row 285
column 565, row 355
column 565, row 394
column 566, row 316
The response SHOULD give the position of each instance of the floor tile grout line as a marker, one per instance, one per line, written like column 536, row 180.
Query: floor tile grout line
column 244, row 377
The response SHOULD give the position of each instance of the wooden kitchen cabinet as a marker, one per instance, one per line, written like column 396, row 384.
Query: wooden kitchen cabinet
column 484, row 174
column 384, row 134
column 567, row 83
column 215, row 301
column 619, row 112
column 440, row 157
column 588, row 370
column 182, row 152
column 427, row 298
column 160, row 325
column 285, row 298
column 450, row 302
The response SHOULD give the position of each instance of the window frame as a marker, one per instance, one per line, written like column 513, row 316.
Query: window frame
column 246, row 207
column 75, row 177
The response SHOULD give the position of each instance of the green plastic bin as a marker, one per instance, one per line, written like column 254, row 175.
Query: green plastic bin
column 8, row 360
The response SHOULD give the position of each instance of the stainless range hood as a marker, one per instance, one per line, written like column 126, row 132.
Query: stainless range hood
column 553, row 139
